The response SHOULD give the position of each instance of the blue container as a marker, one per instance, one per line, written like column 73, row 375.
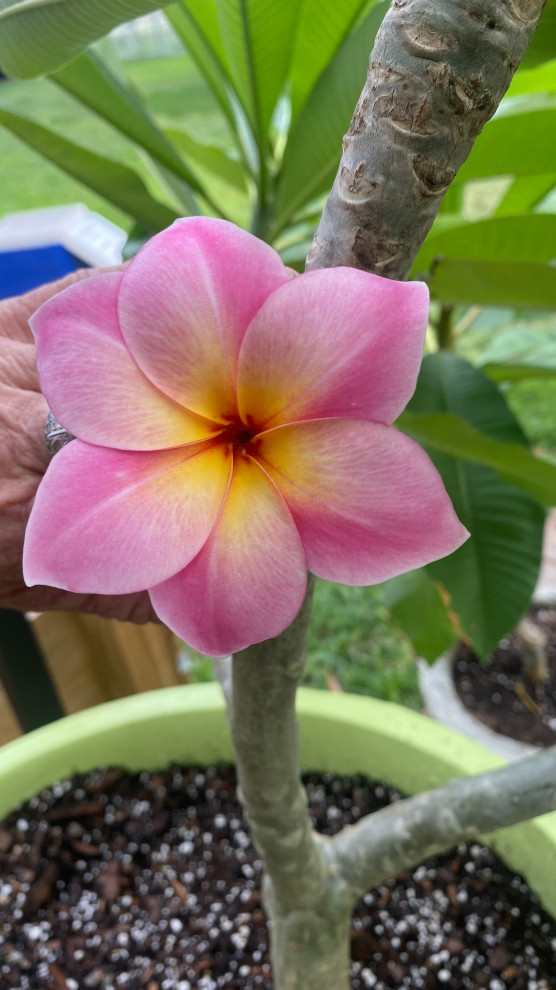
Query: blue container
column 39, row 246
column 28, row 268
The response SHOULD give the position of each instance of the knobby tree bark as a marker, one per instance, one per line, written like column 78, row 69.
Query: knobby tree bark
column 437, row 73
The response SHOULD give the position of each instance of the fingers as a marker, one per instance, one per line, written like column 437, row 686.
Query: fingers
column 15, row 312
column 18, row 368
column 135, row 608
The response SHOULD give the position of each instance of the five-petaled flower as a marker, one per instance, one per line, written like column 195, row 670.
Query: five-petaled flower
column 233, row 433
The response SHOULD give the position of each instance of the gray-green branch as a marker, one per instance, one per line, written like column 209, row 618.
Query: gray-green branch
column 402, row 835
column 437, row 73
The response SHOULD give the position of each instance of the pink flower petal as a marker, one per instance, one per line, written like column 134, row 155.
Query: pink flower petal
column 185, row 303
column 248, row 582
column 91, row 382
column 367, row 501
column 112, row 522
column 333, row 343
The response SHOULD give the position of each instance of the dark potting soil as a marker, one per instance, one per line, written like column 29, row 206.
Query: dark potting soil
column 119, row 882
column 500, row 694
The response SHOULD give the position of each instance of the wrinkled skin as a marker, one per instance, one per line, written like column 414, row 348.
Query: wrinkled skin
column 23, row 461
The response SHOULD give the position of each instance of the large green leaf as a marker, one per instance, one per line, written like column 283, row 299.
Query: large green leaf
column 525, row 238
column 257, row 36
column 323, row 25
column 543, row 43
column 490, row 579
column 91, row 82
column 315, row 144
column 118, row 184
column 449, row 434
column 525, row 193
column 209, row 157
column 415, row 604
column 493, row 283
column 39, row 36
column 517, row 144
column 196, row 24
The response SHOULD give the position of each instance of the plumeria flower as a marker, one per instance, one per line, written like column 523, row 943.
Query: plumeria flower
column 233, row 434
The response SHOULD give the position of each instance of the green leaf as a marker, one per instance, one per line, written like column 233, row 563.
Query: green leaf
column 517, row 144
column 415, row 604
column 118, row 184
column 525, row 238
column 91, row 82
column 521, row 344
column 517, row 372
column 209, row 157
column 39, row 36
column 543, row 43
column 493, row 283
column 205, row 14
column 541, row 79
column 525, row 193
column 196, row 24
column 257, row 37
column 315, row 144
column 491, row 578
column 323, row 26
column 449, row 434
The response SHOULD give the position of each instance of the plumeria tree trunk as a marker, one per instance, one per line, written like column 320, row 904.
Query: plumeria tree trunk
column 438, row 71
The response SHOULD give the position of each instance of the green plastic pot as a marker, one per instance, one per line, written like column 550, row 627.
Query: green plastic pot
column 340, row 733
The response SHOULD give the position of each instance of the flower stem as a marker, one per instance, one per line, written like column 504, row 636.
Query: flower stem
column 265, row 734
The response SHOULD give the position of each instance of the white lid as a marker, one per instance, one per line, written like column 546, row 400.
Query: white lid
column 87, row 235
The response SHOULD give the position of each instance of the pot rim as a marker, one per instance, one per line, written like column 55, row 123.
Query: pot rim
column 340, row 733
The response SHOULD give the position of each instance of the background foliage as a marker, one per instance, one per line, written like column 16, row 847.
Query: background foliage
column 247, row 124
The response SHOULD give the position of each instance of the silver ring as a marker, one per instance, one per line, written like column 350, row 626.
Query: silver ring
column 56, row 435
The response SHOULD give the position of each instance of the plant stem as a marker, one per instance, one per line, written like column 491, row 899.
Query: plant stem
column 310, row 953
column 444, row 328
column 401, row 836
column 437, row 73
column 305, row 899
column 265, row 734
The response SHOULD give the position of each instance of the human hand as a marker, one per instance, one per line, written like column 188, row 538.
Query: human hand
column 23, row 461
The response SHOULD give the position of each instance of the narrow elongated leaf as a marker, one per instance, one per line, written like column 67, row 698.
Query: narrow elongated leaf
column 493, row 283
column 525, row 238
column 39, row 36
column 323, row 26
column 449, row 434
column 517, row 144
column 209, row 157
column 118, row 184
column 491, row 578
column 415, row 604
column 205, row 14
column 197, row 27
column 525, row 193
column 91, row 82
column 517, row 372
column 257, row 36
column 315, row 144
